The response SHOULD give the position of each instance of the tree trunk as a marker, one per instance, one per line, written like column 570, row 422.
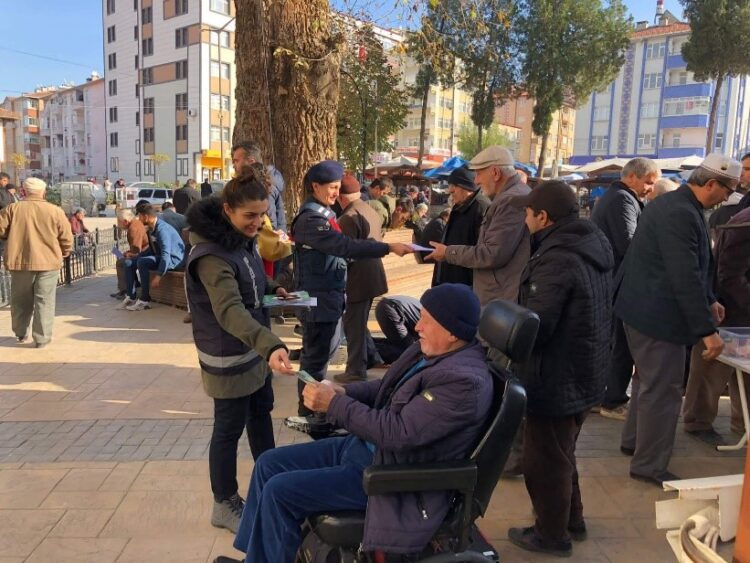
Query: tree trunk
column 287, row 85
column 712, row 118
column 542, row 155
column 423, row 118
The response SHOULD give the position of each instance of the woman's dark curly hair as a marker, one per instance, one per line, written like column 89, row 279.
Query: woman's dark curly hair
column 248, row 185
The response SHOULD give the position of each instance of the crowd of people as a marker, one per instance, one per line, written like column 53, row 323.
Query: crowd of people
column 629, row 302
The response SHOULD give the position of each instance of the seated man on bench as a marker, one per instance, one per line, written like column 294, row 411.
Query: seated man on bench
column 166, row 252
column 431, row 406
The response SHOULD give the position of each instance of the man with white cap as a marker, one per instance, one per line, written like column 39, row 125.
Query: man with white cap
column 502, row 251
column 38, row 237
column 666, row 302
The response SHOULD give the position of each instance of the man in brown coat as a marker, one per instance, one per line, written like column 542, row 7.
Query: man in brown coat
column 137, row 242
column 502, row 251
column 38, row 238
column 365, row 281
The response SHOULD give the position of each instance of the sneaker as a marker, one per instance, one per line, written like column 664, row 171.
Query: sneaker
column 710, row 437
column 127, row 302
column 617, row 413
column 139, row 305
column 227, row 513
column 225, row 559
column 528, row 539
column 314, row 424
column 119, row 295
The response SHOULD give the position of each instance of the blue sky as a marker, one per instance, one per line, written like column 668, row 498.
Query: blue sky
column 71, row 32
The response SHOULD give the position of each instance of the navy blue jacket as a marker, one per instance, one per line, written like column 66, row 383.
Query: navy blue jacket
column 665, row 284
column 616, row 213
column 170, row 248
column 437, row 415
column 321, row 251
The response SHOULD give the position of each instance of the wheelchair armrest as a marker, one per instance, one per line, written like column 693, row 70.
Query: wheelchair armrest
column 445, row 476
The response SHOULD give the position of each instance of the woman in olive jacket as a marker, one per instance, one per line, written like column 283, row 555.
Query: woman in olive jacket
column 236, row 348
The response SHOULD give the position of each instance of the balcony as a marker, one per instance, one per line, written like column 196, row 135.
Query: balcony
column 683, row 121
column 697, row 89
column 675, row 61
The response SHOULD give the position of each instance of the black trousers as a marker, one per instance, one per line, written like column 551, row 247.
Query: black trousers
column 620, row 368
column 397, row 335
column 319, row 342
column 549, row 468
column 231, row 416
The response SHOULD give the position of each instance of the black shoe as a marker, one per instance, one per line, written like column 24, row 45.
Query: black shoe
column 119, row 295
column 348, row 378
column 298, row 330
column 710, row 437
column 22, row 339
column 295, row 354
column 578, row 533
column 528, row 539
column 658, row 481
column 627, row 451
column 225, row 559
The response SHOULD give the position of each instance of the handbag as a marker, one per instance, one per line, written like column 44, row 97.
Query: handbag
column 270, row 244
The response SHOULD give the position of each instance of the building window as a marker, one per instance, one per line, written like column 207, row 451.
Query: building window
column 110, row 7
column 148, row 47
column 215, row 134
column 656, row 50
column 137, row 146
column 719, row 142
column 147, row 171
column 646, row 141
column 135, row 5
column 113, row 115
column 147, row 76
column 219, row 102
column 652, row 80
column 135, row 32
column 600, row 143
column 112, row 87
column 181, row 7
column 30, row 121
column 147, row 15
column 113, row 140
column 137, row 118
column 112, row 61
column 137, row 91
column 601, row 113
column 148, row 134
column 687, row 106
column 181, row 101
column 676, row 139
column 219, row 38
column 181, row 132
column 136, row 62
column 649, row 110
column 678, row 78
column 181, row 69
column 111, row 34
column 221, row 71
column 114, row 164
column 180, row 37
column 148, row 105
column 138, row 169
column 221, row 6
column 182, row 167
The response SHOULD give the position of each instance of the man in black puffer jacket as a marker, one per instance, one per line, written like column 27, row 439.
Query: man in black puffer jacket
column 567, row 282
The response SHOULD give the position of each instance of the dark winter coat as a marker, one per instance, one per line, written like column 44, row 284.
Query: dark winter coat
column 183, row 198
column 567, row 282
column 665, row 283
column 733, row 271
column 463, row 227
column 437, row 415
column 365, row 277
column 616, row 213
column 276, row 211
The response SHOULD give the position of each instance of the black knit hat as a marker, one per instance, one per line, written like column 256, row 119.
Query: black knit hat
column 455, row 307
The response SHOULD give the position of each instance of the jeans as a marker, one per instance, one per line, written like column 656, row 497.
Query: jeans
column 231, row 417
column 291, row 483
column 33, row 294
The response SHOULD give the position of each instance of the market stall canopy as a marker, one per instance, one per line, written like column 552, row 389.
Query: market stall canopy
column 446, row 168
column 403, row 161
column 602, row 165
column 681, row 163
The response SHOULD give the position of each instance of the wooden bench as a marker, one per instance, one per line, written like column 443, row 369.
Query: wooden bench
column 171, row 290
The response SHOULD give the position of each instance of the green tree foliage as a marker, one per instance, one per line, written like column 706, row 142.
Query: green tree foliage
column 571, row 49
column 719, row 45
column 468, row 139
column 370, row 101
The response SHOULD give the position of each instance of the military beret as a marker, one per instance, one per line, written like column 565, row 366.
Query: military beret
column 325, row 172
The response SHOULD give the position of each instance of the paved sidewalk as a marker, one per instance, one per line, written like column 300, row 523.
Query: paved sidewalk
column 104, row 435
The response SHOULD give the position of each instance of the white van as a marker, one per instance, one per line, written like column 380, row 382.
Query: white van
column 130, row 195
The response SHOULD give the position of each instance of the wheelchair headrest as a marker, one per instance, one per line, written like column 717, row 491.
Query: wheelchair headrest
column 509, row 328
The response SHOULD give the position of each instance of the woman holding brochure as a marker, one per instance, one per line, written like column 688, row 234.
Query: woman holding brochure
column 236, row 348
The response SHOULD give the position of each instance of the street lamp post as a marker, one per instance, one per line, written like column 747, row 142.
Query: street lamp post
column 221, row 97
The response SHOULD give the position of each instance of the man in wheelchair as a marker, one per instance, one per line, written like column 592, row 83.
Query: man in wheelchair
column 432, row 405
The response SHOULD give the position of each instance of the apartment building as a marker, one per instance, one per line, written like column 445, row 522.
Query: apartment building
column 22, row 141
column 170, row 80
column 656, row 108
column 519, row 113
column 73, row 136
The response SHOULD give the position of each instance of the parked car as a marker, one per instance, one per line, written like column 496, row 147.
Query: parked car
column 135, row 192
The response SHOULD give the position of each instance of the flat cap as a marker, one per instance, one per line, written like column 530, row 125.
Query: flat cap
column 325, row 172
column 494, row 155
column 463, row 178
column 349, row 184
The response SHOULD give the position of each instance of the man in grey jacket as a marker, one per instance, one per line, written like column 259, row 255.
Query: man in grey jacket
column 502, row 251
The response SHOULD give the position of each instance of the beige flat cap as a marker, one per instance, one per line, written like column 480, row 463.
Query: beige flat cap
column 494, row 155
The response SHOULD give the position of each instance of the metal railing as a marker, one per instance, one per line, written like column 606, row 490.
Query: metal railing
column 92, row 253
